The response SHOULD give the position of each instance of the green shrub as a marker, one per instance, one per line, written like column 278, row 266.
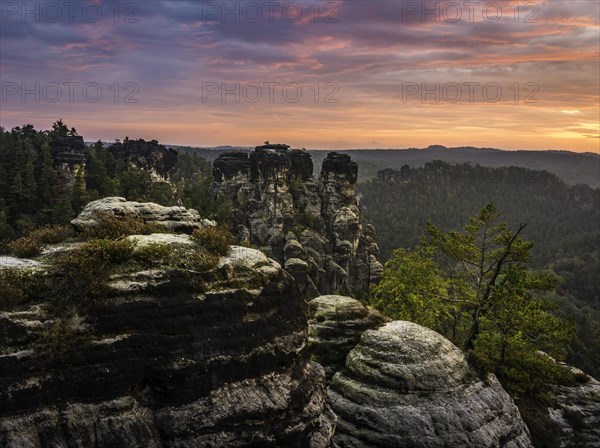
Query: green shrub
column 214, row 239
column 523, row 372
column 25, row 247
column 18, row 286
column 108, row 251
column 111, row 227
column 196, row 265
column 34, row 242
column 58, row 338
column 80, row 275
column 153, row 253
column 198, row 261
column 52, row 234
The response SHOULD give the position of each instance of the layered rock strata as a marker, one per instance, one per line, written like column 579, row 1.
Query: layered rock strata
column 335, row 326
column 177, row 219
column 311, row 225
column 407, row 386
column 575, row 411
column 68, row 152
column 162, row 363
column 149, row 156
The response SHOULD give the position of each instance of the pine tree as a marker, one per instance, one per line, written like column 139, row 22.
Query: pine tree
column 45, row 175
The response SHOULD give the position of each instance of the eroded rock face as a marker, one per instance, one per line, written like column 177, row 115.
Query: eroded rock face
column 576, row 411
column 163, row 365
column 68, row 151
column 335, row 327
column 407, row 386
column 311, row 225
column 12, row 262
column 178, row 219
column 148, row 156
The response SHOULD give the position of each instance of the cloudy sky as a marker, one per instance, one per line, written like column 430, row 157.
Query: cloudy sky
column 328, row 74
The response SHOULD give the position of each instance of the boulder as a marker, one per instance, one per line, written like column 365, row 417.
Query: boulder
column 575, row 411
column 407, row 386
column 178, row 219
column 335, row 326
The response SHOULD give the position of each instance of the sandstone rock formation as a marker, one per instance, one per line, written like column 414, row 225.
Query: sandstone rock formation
column 178, row 219
column 161, row 364
column 312, row 226
column 148, row 156
column 335, row 327
column 392, row 175
column 575, row 410
column 12, row 262
column 68, row 151
column 407, row 386
column 69, row 155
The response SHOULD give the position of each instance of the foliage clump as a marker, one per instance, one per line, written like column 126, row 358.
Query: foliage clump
column 79, row 276
column 214, row 239
column 152, row 253
column 32, row 244
column 112, row 227
column 19, row 286
column 474, row 288
column 59, row 337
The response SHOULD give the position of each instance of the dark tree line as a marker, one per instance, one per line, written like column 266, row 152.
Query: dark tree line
column 36, row 191
column 562, row 222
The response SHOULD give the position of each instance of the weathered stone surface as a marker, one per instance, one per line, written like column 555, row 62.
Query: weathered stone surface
column 161, row 238
column 407, row 386
column 178, row 219
column 230, row 164
column 391, row 175
column 12, row 262
column 148, row 156
column 68, row 151
column 341, row 166
column 575, row 410
column 335, row 327
column 163, row 365
column 273, row 193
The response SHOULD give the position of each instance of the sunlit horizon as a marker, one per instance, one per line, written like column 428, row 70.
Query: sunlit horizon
column 357, row 75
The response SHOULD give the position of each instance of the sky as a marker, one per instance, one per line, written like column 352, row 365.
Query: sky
column 316, row 74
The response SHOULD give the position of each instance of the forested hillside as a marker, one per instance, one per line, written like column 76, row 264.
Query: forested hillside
column 562, row 223
column 44, row 181
column 571, row 167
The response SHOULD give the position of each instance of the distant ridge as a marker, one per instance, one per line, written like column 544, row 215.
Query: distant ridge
column 571, row 167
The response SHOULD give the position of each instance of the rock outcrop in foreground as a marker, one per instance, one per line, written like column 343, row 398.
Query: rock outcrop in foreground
column 335, row 327
column 407, row 386
column 312, row 226
column 575, row 410
column 176, row 219
column 173, row 357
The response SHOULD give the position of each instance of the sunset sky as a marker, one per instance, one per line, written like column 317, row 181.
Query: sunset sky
column 362, row 68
